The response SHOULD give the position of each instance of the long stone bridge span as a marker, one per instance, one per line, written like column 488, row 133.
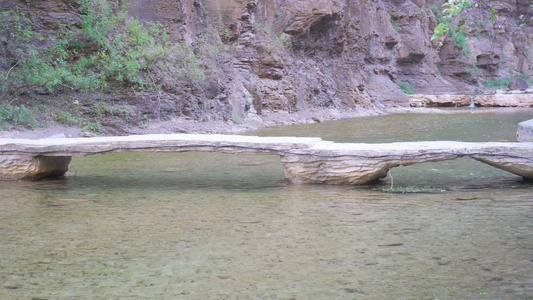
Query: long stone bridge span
column 304, row 160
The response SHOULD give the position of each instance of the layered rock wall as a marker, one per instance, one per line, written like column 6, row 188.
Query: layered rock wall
column 301, row 55
column 294, row 55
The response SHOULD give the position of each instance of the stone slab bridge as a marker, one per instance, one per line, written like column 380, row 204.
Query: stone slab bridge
column 304, row 160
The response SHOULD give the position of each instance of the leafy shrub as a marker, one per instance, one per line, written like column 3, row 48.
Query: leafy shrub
column 95, row 126
column 503, row 82
column 66, row 118
column 497, row 82
column 106, row 49
column 17, row 115
column 460, row 41
column 28, row 66
column 457, row 35
column 406, row 88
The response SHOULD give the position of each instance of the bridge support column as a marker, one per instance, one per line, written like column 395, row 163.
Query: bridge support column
column 524, row 133
column 516, row 166
column 27, row 167
column 305, row 169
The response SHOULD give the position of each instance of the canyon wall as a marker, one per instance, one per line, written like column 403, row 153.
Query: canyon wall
column 304, row 55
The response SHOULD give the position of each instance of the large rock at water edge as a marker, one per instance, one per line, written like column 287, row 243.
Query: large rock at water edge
column 518, row 84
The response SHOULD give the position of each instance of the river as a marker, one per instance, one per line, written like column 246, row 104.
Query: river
column 219, row 226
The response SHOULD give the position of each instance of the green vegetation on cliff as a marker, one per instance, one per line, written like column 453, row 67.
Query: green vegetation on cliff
column 406, row 88
column 454, row 8
column 503, row 82
column 106, row 50
column 457, row 35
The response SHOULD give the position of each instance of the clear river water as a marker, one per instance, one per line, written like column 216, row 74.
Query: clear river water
column 219, row 226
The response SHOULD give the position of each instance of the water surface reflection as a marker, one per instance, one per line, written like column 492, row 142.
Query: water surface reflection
column 217, row 226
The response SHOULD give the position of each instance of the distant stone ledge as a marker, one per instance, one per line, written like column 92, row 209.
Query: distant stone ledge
column 510, row 99
column 525, row 131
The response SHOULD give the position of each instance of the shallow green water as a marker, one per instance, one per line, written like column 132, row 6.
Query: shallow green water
column 477, row 125
column 216, row 226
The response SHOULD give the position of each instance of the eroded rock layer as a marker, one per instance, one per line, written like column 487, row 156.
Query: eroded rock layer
column 301, row 55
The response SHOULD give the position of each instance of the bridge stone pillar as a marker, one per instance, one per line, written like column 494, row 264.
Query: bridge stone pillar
column 27, row 167
column 525, row 131
column 309, row 169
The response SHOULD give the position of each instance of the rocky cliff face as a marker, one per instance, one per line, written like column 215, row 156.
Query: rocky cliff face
column 302, row 55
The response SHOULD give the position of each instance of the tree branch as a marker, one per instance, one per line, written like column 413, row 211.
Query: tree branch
column 30, row 86
column 7, row 75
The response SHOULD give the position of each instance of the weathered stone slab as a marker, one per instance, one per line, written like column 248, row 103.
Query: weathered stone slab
column 346, row 163
column 503, row 100
column 26, row 159
column 439, row 100
column 525, row 131
column 236, row 144
column 305, row 160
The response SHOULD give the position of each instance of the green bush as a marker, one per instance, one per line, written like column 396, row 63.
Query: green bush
column 406, row 88
column 460, row 41
column 95, row 126
column 106, row 50
column 497, row 82
column 503, row 82
column 457, row 35
column 17, row 115
column 66, row 118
